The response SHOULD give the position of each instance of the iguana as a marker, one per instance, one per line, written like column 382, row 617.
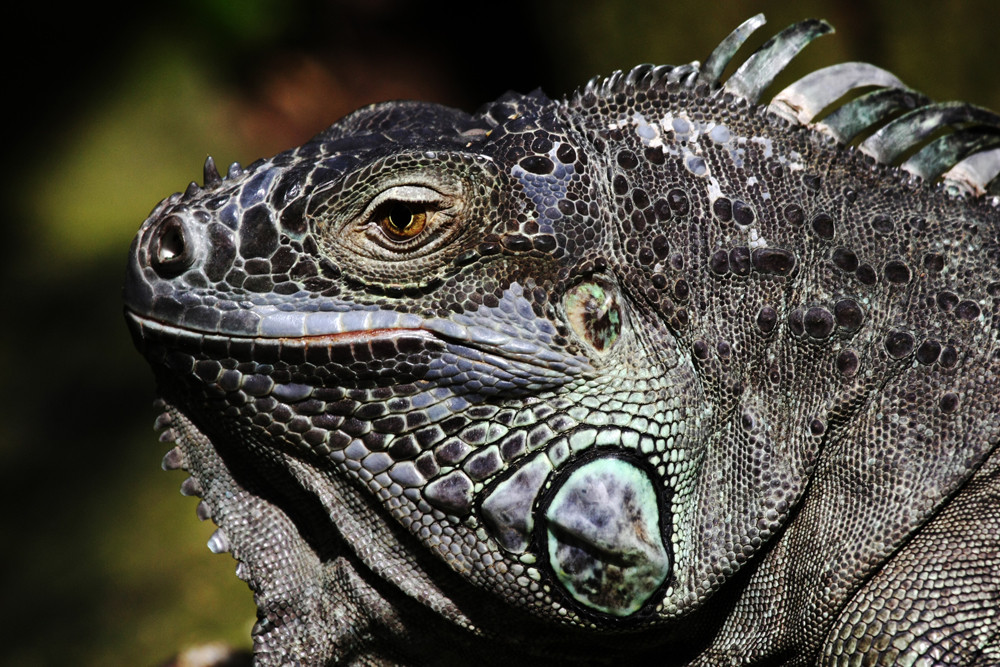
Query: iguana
column 657, row 372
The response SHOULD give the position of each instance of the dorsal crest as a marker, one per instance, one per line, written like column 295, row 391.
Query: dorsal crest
column 855, row 103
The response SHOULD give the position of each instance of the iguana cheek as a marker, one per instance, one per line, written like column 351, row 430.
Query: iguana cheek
column 604, row 536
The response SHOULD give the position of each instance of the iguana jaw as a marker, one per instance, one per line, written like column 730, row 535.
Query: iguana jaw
column 520, row 365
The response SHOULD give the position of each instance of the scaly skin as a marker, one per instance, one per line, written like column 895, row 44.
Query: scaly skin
column 652, row 373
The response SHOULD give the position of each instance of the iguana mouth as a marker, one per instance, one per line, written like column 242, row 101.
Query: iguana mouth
column 145, row 329
column 351, row 355
column 295, row 330
column 381, row 355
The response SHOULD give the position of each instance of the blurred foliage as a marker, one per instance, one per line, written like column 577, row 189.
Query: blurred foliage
column 103, row 563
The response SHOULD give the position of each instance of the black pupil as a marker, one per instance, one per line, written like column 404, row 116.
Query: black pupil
column 400, row 216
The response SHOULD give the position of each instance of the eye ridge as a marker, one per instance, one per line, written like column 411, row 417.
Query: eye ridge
column 402, row 220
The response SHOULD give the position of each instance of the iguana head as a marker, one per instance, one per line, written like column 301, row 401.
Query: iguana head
column 577, row 350
column 437, row 306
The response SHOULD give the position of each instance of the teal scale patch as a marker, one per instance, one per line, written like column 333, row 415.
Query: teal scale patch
column 605, row 542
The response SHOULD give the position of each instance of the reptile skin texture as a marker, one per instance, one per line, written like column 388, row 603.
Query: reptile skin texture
column 659, row 373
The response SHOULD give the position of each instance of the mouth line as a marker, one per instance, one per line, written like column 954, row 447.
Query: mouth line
column 145, row 325
column 512, row 357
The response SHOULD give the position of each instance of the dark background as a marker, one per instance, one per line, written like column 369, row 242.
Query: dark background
column 101, row 561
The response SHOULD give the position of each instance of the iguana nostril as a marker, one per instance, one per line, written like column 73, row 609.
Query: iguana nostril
column 169, row 248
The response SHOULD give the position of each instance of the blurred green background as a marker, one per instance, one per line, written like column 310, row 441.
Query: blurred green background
column 101, row 561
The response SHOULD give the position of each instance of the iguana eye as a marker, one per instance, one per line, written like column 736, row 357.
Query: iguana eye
column 401, row 220
column 398, row 218
column 408, row 219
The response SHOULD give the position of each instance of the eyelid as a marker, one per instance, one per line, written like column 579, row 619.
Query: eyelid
column 408, row 194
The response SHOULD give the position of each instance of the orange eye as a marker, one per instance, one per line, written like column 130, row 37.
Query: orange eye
column 402, row 221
